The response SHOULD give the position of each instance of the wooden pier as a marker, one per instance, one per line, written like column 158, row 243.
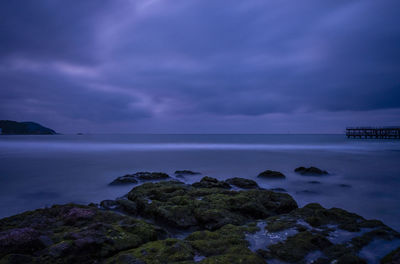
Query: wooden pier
column 373, row 132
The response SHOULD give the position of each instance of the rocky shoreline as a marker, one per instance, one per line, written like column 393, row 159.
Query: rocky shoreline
column 163, row 220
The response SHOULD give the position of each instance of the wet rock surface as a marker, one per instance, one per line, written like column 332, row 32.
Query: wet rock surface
column 209, row 182
column 270, row 174
column 126, row 179
column 178, row 204
column 242, row 183
column 70, row 233
column 336, row 234
column 147, row 176
column 140, row 176
column 186, row 172
column 220, row 225
column 278, row 189
column 226, row 245
column 311, row 171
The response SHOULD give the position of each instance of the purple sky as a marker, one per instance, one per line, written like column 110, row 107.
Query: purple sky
column 200, row 66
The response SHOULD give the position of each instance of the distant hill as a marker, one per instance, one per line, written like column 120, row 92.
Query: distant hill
column 9, row 127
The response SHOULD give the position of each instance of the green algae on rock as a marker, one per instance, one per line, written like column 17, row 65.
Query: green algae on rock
column 71, row 233
column 270, row 174
column 139, row 176
column 337, row 234
column 311, row 171
column 186, row 172
column 243, row 183
column 225, row 245
column 126, row 179
column 162, row 251
column 209, row 182
column 296, row 247
column 183, row 206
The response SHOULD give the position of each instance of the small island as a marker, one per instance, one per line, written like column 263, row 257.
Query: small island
column 8, row 127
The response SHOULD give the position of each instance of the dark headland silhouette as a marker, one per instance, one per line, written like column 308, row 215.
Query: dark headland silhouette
column 8, row 127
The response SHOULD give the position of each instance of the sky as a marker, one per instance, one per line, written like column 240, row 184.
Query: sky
column 200, row 66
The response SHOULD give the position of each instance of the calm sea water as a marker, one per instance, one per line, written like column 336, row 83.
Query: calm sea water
column 38, row 171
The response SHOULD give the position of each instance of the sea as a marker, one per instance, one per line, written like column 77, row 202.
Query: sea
column 39, row 171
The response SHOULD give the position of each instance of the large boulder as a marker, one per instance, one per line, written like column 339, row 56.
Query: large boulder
column 21, row 240
column 243, row 183
column 71, row 234
column 206, row 206
column 297, row 247
column 140, row 176
column 270, row 174
column 126, row 179
column 186, row 172
column 311, row 171
column 149, row 176
column 209, row 182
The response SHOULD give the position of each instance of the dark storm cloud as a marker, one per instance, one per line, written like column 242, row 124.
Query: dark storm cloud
column 153, row 60
column 53, row 95
column 48, row 30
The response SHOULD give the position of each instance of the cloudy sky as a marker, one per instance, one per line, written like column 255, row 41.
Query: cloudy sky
column 200, row 66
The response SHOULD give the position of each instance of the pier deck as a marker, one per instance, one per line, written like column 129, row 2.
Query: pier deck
column 373, row 132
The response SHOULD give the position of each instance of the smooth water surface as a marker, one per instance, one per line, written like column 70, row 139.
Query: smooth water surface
column 38, row 171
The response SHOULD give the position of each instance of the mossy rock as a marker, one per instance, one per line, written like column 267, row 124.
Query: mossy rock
column 315, row 224
column 209, row 182
column 243, row 183
column 72, row 233
column 225, row 245
column 158, row 252
column 186, row 172
column 270, row 174
column 126, row 179
column 279, row 223
column 142, row 176
column 229, row 239
column 316, row 215
column 185, row 206
column 149, row 176
column 296, row 247
column 382, row 232
column 310, row 171
column 234, row 259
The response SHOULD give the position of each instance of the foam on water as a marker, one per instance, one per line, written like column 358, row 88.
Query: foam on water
column 106, row 146
column 313, row 256
column 198, row 258
column 339, row 236
column 87, row 146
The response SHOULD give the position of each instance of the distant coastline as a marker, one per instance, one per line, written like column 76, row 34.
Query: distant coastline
column 8, row 127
